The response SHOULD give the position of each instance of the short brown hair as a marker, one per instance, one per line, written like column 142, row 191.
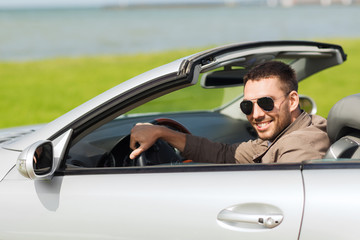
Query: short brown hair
column 274, row 69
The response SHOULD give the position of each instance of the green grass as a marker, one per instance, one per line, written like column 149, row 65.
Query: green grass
column 40, row 91
column 329, row 86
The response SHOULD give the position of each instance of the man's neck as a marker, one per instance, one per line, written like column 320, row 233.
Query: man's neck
column 295, row 114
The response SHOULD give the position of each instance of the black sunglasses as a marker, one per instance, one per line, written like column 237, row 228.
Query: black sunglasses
column 266, row 103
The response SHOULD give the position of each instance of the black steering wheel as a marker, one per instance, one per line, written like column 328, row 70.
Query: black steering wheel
column 162, row 152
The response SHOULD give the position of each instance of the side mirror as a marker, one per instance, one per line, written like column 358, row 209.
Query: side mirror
column 41, row 159
column 307, row 104
column 37, row 161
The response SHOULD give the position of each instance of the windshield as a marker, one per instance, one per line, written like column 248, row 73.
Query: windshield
column 194, row 98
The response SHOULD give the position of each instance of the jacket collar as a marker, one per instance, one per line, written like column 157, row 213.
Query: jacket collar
column 303, row 120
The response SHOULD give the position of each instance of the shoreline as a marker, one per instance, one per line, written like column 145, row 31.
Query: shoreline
column 150, row 52
column 189, row 4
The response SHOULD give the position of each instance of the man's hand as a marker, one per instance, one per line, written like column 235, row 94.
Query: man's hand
column 144, row 135
column 142, row 138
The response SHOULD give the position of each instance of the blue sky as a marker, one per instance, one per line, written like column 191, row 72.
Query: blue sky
column 77, row 3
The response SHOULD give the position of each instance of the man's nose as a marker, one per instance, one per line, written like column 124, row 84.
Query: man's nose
column 258, row 112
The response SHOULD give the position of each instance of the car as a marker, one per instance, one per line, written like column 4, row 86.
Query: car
column 72, row 178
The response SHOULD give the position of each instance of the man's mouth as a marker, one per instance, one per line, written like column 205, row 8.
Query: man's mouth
column 262, row 126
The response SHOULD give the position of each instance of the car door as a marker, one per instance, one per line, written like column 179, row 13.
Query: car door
column 332, row 200
column 192, row 202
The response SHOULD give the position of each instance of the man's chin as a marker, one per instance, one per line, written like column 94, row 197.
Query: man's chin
column 265, row 136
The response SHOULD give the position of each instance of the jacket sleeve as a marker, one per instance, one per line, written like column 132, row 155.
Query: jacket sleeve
column 200, row 149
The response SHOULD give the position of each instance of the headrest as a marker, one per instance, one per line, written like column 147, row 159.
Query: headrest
column 344, row 117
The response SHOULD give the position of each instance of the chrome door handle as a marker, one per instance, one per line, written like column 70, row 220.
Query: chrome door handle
column 266, row 220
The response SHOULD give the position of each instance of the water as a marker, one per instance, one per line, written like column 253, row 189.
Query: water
column 38, row 34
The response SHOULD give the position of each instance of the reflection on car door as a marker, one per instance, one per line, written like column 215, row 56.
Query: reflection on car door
column 183, row 205
column 212, row 202
column 332, row 205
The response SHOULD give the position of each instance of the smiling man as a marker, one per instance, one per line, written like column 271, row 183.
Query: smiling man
column 271, row 104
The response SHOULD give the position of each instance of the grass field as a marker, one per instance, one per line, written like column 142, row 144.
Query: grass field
column 39, row 91
column 329, row 86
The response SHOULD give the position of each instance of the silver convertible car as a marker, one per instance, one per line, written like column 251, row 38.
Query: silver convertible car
column 72, row 178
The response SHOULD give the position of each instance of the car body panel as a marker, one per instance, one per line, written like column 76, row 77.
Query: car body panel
column 6, row 165
column 176, row 205
column 332, row 195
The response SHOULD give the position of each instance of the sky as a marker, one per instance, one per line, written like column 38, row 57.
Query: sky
column 94, row 3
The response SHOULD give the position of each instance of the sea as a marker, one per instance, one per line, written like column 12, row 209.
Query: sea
column 31, row 34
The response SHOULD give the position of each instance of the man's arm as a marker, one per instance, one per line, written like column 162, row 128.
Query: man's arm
column 144, row 135
column 198, row 149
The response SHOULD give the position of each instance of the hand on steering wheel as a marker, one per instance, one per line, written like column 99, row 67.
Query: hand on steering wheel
column 148, row 148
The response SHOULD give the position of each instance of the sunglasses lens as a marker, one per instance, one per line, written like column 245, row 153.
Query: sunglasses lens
column 266, row 103
column 246, row 107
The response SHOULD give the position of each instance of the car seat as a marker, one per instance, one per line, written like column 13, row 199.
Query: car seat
column 343, row 127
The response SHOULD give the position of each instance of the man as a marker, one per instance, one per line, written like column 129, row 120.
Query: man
column 271, row 104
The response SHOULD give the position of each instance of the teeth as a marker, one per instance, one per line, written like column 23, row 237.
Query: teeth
column 262, row 124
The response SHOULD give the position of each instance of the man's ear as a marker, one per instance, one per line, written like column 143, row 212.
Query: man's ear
column 294, row 101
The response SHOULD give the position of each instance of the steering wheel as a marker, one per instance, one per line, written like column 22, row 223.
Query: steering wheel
column 170, row 123
column 162, row 152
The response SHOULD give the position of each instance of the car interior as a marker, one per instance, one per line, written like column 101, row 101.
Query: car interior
column 108, row 146
column 344, row 129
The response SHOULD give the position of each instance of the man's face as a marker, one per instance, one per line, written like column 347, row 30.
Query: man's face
column 268, row 124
